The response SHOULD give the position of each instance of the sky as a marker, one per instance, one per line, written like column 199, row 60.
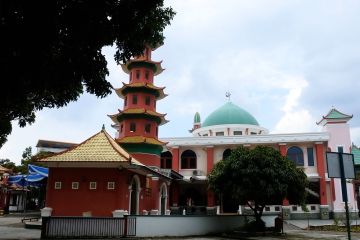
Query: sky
column 285, row 62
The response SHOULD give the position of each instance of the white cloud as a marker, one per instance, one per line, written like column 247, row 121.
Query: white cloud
column 295, row 118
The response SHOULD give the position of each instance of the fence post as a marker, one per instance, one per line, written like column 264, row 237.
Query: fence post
column 44, row 224
column 125, row 225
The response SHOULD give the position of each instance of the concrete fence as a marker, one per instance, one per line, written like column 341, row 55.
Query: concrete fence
column 160, row 226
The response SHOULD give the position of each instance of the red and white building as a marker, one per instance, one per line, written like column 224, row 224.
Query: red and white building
column 139, row 173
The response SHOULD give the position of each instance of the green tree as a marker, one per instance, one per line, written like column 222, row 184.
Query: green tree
column 51, row 50
column 6, row 163
column 29, row 158
column 26, row 159
column 258, row 176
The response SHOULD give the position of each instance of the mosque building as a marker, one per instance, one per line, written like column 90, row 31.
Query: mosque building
column 138, row 173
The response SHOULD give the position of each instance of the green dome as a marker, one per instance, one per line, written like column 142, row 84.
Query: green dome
column 197, row 118
column 229, row 113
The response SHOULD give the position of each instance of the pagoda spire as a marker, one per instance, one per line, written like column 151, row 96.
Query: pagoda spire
column 138, row 121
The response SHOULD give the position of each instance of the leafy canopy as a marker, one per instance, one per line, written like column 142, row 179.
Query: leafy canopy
column 27, row 158
column 51, row 50
column 257, row 177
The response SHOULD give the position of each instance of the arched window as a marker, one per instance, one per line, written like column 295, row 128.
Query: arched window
column 166, row 160
column 226, row 153
column 147, row 128
column 132, row 127
column 188, row 160
column 296, row 155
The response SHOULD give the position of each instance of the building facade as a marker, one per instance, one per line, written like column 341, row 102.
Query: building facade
column 139, row 173
column 230, row 126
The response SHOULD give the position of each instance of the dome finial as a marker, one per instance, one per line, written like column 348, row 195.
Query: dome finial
column 228, row 94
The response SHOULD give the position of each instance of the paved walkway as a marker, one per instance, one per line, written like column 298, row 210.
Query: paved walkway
column 11, row 227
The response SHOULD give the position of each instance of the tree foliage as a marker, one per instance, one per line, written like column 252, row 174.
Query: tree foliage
column 51, row 50
column 257, row 177
column 27, row 158
column 6, row 163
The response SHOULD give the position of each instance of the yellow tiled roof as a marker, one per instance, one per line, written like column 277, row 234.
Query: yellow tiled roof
column 99, row 148
column 141, row 139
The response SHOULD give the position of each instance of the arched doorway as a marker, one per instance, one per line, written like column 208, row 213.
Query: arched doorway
column 134, row 193
column 163, row 199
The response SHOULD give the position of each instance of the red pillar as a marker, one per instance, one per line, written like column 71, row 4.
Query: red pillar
column 175, row 158
column 155, row 193
column 282, row 149
column 210, row 158
column 319, row 147
column 210, row 165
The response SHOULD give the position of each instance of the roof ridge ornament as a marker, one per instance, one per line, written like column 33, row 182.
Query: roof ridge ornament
column 103, row 127
column 228, row 94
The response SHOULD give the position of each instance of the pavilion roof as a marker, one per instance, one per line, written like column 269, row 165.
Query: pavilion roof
column 101, row 147
column 334, row 115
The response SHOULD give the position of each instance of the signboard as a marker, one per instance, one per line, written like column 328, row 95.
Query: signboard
column 341, row 165
column 333, row 165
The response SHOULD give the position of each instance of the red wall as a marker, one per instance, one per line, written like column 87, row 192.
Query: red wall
column 147, row 159
column 142, row 78
column 140, row 128
column 140, row 101
column 100, row 202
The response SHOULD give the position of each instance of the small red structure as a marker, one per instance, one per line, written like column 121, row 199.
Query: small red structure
column 98, row 177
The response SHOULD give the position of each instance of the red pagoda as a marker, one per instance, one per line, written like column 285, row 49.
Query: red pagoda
column 137, row 124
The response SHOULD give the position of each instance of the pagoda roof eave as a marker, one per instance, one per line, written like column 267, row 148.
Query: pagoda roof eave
column 139, row 111
column 113, row 117
column 158, row 70
column 140, row 139
column 151, row 87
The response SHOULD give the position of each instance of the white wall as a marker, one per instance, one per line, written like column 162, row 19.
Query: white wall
column 159, row 226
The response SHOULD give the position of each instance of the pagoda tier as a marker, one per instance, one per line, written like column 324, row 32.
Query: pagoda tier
column 147, row 149
column 137, row 123
column 158, row 92
column 138, row 113
column 142, row 63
